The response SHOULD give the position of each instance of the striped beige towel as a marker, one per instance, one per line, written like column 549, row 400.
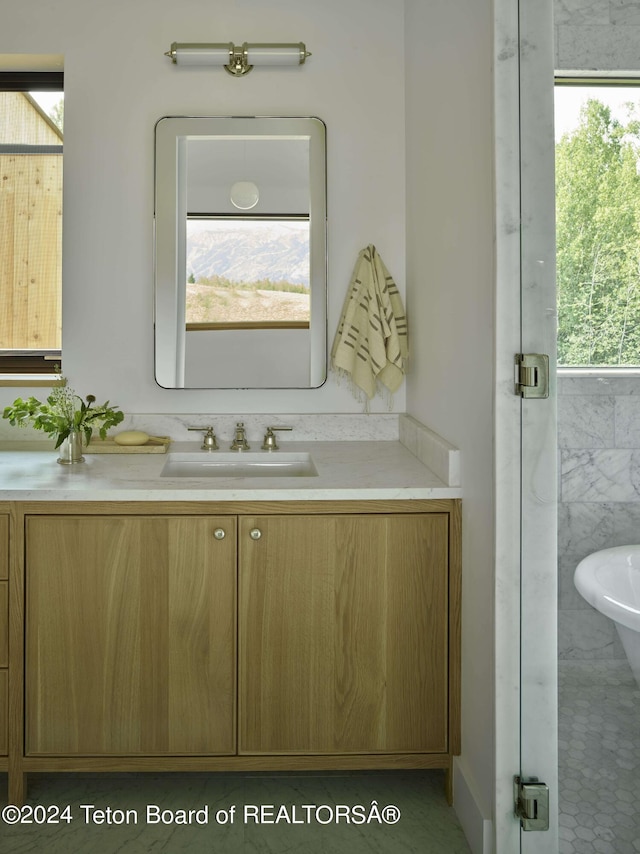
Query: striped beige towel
column 371, row 341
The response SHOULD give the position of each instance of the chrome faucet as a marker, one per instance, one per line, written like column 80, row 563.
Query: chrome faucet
column 209, row 440
column 269, row 443
column 240, row 440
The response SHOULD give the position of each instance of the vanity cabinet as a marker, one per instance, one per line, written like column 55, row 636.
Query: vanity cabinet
column 130, row 635
column 293, row 635
column 4, row 633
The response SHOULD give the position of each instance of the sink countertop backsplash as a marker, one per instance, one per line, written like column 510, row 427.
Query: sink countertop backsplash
column 357, row 457
column 306, row 427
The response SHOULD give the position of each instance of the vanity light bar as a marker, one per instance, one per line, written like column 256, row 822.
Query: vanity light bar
column 238, row 60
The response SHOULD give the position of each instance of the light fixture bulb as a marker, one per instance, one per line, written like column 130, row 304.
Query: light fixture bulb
column 201, row 54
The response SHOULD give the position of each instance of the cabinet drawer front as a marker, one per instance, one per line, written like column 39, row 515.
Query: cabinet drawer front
column 4, row 546
column 4, row 711
column 4, row 624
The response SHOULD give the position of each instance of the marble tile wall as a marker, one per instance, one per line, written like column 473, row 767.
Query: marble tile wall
column 598, row 497
column 598, row 418
column 600, row 35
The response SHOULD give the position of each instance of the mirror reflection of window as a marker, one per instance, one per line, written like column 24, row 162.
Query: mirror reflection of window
column 240, row 252
column 246, row 273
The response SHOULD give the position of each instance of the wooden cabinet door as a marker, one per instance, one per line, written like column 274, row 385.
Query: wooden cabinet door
column 4, row 546
column 130, row 638
column 4, row 712
column 4, row 634
column 4, row 591
column 343, row 634
column 4, row 624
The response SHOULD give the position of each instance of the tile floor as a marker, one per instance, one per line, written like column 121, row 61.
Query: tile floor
column 426, row 824
column 599, row 740
column 599, row 758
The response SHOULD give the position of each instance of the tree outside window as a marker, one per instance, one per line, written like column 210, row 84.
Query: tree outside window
column 598, row 234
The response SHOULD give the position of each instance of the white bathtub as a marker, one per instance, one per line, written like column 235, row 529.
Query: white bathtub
column 610, row 581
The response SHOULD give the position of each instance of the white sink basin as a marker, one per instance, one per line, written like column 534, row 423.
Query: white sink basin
column 239, row 464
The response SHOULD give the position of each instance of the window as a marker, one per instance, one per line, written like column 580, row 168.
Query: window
column 598, row 222
column 30, row 222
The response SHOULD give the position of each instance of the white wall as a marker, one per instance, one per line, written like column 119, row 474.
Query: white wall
column 450, row 281
column 118, row 83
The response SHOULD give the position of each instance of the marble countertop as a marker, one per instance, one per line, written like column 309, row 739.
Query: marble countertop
column 346, row 470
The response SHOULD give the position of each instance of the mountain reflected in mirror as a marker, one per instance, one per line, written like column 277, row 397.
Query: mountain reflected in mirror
column 254, row 271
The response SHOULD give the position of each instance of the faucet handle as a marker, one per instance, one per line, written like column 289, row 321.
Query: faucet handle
column 240, row 440
column 269, row 443
column 209, row 441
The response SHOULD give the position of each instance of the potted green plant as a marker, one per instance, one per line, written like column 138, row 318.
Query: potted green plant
column 66, row 417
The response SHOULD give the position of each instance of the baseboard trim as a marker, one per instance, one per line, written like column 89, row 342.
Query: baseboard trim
column 477, row 827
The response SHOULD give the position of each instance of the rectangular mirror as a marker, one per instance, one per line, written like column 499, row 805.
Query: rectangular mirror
column 240, row 253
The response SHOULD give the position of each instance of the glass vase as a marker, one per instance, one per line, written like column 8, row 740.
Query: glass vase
column 70, row 450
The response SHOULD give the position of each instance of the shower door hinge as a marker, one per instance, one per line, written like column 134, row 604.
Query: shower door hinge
column 531, row 803
column 532, row 375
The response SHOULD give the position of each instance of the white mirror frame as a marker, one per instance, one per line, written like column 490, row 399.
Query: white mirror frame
column 170, row 215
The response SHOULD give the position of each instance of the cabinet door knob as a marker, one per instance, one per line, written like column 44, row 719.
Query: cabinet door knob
column 218, row 534
column 255, row 533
